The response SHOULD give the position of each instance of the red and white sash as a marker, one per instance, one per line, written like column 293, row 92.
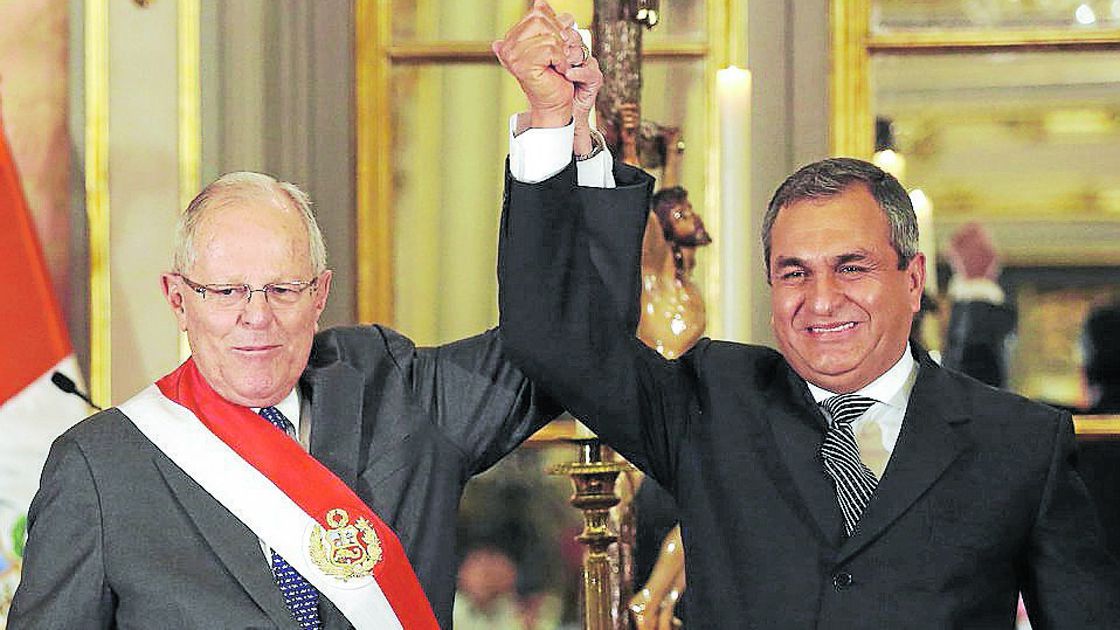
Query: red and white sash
column 291, row 501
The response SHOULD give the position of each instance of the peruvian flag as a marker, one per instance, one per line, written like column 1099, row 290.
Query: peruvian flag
column 33, row 344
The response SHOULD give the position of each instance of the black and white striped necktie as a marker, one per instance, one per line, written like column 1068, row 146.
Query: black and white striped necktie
column 854, row 482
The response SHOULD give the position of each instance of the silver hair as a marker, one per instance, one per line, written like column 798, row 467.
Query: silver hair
column 831, row 177
column 245, row 186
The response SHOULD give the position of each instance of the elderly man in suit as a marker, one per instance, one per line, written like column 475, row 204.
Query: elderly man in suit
column 843, row 481
column 279, row 477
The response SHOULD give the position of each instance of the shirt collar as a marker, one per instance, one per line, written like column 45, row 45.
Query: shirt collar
column 891, row 387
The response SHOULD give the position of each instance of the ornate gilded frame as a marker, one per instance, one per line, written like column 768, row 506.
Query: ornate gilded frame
column 853, row 43
column 375, row 55
column 852, row 119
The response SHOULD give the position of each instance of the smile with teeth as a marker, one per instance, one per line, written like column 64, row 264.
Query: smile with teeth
column 832, row 328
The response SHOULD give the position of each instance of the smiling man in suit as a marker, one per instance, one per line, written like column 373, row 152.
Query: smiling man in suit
column 843, row 481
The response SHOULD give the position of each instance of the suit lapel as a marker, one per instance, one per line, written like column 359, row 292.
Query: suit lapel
column 330, row 617
column 927, row 444
column 336, row 412
column 233, row 543
column 798, row 428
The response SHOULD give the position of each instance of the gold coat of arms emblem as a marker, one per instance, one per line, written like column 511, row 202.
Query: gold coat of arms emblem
column 344, row 551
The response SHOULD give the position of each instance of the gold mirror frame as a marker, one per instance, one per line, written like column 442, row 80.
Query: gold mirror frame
column 852, row 119
column 853, row 43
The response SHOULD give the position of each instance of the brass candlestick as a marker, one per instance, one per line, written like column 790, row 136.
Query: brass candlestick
column 593, row 480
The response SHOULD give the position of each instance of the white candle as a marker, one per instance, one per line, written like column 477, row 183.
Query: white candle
column 736, row 264
column 927, row 244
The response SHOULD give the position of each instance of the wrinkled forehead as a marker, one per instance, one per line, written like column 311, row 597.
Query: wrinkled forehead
column 263, row 224
column 846, row 221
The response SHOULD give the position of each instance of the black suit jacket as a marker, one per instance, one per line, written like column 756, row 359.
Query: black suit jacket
column 977, row 340
column 979, row 502
column 119, row 536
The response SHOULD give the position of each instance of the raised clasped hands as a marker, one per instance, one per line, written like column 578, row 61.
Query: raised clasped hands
column 555, row 70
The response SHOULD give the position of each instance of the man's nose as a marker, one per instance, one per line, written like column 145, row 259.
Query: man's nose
column 824, row 294
column 256, row 311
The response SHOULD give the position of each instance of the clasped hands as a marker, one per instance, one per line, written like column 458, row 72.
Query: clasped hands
column 555, row 70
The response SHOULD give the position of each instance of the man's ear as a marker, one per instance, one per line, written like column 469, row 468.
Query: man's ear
column 916, row 280
column 322, row 291
column 172, row 286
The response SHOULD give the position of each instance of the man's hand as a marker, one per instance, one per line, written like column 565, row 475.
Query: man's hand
column 587, row 78
column 972, row 254
column 538, row 51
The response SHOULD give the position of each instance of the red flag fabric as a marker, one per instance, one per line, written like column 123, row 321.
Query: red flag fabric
column 33, row 345
column 33, row 337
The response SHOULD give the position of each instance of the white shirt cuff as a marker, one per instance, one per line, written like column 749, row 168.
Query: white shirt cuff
column 975, row 290
column 537, row 154
column 596, row 172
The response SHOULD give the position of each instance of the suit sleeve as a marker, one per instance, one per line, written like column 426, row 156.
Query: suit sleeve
column 1071, row 582
column 63, row 583
column 569, row 288
column 478, row 399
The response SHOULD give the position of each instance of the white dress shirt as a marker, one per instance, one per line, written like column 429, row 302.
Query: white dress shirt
column 291, row 408
column 892, row 391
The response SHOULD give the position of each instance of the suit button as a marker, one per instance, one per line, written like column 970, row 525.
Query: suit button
column 842, row 580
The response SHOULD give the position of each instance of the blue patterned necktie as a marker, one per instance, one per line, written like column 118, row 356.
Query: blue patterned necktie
column 854, row 482
column 302, row 598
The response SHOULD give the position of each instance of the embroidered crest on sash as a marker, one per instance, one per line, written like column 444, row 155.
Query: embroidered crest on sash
column 344, row 551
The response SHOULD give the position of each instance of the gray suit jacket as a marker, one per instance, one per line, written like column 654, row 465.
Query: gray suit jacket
column 981, row 499
column 119, row 536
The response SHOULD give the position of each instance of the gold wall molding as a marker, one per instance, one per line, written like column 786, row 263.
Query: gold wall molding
column 851, row 131
column 853, row 43
column 1097, row 426
column 1040, row 256
column 723, row 48
column 479, row 52
column 934, row 41
column 96, row 79
column 190, row 99
column 373, row 141
column 189, row 62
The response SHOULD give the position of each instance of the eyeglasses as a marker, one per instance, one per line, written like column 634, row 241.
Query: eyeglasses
column 279, row 295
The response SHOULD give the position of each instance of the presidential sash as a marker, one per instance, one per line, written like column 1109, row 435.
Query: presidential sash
column 286, row 497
